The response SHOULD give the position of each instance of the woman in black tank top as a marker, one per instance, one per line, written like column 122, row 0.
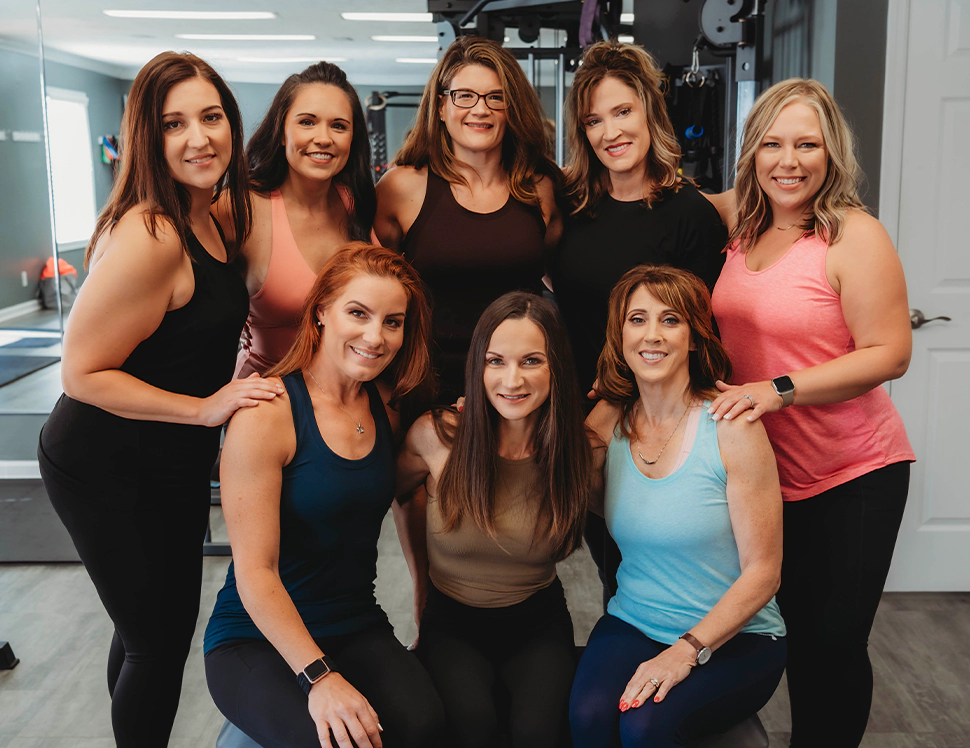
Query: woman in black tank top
column 471, row 202
column 127, row 451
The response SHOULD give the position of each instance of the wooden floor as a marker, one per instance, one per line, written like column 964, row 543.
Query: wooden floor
column 57, row 697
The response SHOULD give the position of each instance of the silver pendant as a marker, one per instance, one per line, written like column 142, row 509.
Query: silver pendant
column 360, row 429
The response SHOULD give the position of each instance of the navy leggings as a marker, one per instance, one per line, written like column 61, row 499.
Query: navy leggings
column 838, row 547
column 255, row 689
column 736, row 682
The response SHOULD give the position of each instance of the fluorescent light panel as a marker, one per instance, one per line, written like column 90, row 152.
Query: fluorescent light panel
column 290, row 59
column 626, row 18
column 429, row 39
column 625, row 39
column 249, row 37
column 402, row 17
column 418, row 60
column 193, row 15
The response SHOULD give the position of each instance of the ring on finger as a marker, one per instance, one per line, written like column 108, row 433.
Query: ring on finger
column 749, row 398
column 656, row 683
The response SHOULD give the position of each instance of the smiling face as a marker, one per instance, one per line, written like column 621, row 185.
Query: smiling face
column 197, row 137
column 616, row 127
column 516, row 377
column 657, row 341
column 791, row 162
column 363, row 328
column 478, row 129
column 318, row 131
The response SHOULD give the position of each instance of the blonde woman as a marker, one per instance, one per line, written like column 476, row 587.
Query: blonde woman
column 812, row 309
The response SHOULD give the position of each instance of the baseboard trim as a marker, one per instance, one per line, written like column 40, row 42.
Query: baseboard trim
column 19, row 470
column 25, row 307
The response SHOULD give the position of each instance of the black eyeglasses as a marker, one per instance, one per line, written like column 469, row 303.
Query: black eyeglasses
column 465, row 99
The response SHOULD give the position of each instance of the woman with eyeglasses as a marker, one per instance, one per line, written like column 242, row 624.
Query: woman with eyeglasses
column 471, row 202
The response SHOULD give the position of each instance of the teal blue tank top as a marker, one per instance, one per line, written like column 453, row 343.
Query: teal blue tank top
column 675, row 535
column 331, row 510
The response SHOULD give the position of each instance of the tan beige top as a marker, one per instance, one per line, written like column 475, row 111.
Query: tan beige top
column 476, row 569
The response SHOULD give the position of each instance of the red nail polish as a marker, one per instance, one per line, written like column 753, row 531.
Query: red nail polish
column 635, row 704
column 656, row 699
column 623, row 706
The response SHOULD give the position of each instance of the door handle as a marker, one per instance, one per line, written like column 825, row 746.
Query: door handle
column 917, row 319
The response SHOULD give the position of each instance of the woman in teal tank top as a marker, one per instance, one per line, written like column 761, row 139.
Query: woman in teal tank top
column 298, row 653
column 692, row 642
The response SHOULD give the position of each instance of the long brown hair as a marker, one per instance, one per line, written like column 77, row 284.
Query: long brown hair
column 587, row 179
column 466, row 488
column 524, row 151
column 144, row 175
column 268, row 166
column 687, row 295
column 411, row 367
column 839, row 192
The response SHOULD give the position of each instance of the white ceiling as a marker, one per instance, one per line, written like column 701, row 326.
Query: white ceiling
column 74, row 29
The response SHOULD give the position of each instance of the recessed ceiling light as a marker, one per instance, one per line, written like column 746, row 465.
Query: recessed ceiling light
column 419, row 60
column 626, row 18
column 404, row 17
column 627, row 39
column 193, row 15
column 430, row 39
column 249, row 37
column 290, row 59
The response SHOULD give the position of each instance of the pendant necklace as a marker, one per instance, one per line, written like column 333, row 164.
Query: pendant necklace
column 360, row 428
column 654, row 460
column 789, row 226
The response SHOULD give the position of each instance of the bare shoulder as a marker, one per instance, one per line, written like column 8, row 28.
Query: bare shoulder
column 742, row 441
column 423, row 437
column 603, row 419
column 132, row 240
column 545, row 188
column 864, row 246
column 267, row 427
column 402, row 181
column 861, row 226
column 727, row 207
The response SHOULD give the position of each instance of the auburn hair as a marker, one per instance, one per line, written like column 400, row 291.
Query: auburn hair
column 525, row 156
column 144, row 177
column 411, row 367
column 467, row 485
column 687, row 295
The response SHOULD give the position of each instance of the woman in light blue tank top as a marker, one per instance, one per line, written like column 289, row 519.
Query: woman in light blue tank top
column 692, row 642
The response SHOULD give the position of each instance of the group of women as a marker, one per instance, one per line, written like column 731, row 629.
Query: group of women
column 343, row 342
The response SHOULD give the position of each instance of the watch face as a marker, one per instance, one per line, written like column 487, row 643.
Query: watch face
column 783, row 384
column 316, row 670
column 703, row 655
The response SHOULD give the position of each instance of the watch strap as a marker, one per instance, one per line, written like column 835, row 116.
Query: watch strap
column 304, row 680
column 784, row 387
column 703, row 651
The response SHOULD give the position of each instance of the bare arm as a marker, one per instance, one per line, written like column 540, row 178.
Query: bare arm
column 864, row 269
column 258, row 445
column 755, row 506
column 135, row 280
column 600, row 425
column 400, row 194
column 550, row 212
column 727, row 207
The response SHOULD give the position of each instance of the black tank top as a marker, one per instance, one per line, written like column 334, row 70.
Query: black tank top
column 192, row 352
column 468, row 260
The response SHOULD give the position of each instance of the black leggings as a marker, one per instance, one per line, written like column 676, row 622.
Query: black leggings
column 838, row 546
column 527, row 648
column 255, row 689
column 143, row 551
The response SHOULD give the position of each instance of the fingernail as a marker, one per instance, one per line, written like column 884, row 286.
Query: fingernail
column 635, row 704
column 656, row 699
column 727, row 417
column 381, row 729
column 623, row 706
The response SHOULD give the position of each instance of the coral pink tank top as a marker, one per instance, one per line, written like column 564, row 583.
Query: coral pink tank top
column 786, row 318
column 275, row 309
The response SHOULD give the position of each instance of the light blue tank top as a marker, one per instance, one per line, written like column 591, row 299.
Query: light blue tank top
column 679, row 552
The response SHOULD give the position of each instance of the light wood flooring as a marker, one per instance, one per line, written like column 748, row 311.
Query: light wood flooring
column 57, row 697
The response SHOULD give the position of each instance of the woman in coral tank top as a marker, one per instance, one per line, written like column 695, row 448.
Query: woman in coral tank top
column 812, row 309
column 309, row 163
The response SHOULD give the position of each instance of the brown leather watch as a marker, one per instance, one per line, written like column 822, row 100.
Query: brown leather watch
column 703, row 653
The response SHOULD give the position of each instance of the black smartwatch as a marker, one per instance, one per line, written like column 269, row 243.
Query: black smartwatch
column 314, row 672
column 785, row 388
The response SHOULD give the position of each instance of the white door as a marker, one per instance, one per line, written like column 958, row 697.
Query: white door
column 926, row 204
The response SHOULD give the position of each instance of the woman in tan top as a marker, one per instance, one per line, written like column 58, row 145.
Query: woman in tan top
column 508, row 486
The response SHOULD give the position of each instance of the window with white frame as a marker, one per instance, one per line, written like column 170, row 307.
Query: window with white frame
column 72, row 167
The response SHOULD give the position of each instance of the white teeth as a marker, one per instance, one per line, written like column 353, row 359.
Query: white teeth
column 615, row 148
column 653, row 356
column 200, row 160
column 794, row 180
column 365, row 355
column 512, row 397
column 320, row 156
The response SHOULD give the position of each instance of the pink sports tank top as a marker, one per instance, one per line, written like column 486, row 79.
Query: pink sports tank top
column 275, row 309
column 786, row 318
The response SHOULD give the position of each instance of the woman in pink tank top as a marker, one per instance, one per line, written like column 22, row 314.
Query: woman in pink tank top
column 812, row 309
column 309, row 164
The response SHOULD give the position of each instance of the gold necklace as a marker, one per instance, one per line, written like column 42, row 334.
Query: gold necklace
column 654, row 461
column 360, row 427
column 789, row 226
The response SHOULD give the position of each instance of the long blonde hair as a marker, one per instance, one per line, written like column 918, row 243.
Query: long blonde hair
column 524, row 150
column 587, row 180
column 838, row 193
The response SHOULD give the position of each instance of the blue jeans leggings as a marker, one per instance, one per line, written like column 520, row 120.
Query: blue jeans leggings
column 736, row 682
